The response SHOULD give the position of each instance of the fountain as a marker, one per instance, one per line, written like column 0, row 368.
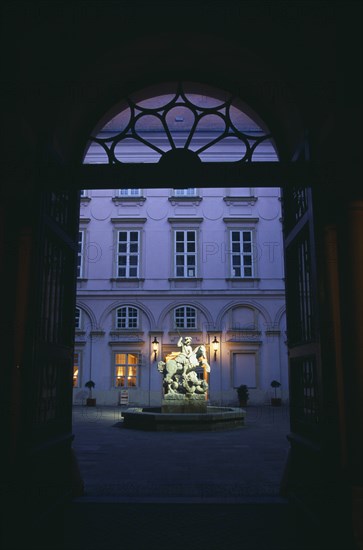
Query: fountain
column 184, row 406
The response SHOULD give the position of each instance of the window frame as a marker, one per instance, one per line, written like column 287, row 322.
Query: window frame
column 128, row 224
column 185, row 318
column 181, row 192
column 129, row 254
column 78, row 325
column 130, row 193
column 79, row 365
column 127, row 318
column 240, row 225
column 126, row 365
column 80, row 252
column 242, row 255
column 186, row 255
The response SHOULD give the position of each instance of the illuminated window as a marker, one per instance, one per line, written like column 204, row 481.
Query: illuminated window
column 185, row 317
column 127, row 317
column 126, row 370
column 76, row 368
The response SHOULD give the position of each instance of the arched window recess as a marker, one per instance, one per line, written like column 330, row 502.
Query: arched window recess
column 192, row 133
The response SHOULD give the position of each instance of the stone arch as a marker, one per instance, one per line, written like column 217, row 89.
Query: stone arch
column 279, row 316
column 85, row 307
column 88, row 104
column 252, row 304
column 171, row 306
column 112, row 307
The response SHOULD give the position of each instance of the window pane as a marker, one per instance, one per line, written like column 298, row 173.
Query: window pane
column 133, row 360
column 120, row 358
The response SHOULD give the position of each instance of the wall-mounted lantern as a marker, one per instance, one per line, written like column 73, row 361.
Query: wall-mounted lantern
column 155, row 345
column 215, row 344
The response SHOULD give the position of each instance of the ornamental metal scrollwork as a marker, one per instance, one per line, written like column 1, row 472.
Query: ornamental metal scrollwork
column 148, row 130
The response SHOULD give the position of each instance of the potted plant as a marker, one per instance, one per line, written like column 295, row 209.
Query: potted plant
column 242, row 392
column 275, row 401
column 90, row 401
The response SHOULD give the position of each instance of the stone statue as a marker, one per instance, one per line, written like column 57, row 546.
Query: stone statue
column 180, row 377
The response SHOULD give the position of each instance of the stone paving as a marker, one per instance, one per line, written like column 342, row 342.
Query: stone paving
column 133, row 465
column 177, row 490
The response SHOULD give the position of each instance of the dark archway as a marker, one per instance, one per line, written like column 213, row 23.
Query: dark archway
column 296, row 82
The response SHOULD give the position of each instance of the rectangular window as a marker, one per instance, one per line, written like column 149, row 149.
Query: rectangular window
column 127, row 317
column 189, row 192
column 185, row 253
column 185, row 317
column 126, row 370
column 128, row 251
column 129, row 192
column 77, row 322
column 80, row 254
column 76, row 369
column 241, row 253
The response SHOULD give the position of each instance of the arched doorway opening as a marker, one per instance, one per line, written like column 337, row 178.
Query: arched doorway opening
column 185, row 127
column 53, row 420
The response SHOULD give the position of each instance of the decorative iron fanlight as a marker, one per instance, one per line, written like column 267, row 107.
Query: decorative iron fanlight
column 151, row 129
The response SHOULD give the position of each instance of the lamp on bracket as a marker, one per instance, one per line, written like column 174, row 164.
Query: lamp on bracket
column 155, row 345
column 215, row 344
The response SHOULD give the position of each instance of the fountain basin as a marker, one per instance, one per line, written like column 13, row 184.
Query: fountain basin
column 153, row 419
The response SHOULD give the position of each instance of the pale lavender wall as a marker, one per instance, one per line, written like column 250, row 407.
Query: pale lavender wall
column 216, row 297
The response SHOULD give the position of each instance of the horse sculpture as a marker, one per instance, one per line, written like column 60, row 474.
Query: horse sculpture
column 179, row 372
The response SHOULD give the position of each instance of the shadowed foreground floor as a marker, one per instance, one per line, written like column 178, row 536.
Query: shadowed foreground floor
column 206, row 491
